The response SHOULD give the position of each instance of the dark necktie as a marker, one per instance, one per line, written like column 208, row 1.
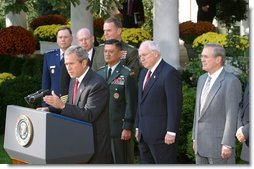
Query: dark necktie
column 75, row 91
column 147, row 78
column 109, row 73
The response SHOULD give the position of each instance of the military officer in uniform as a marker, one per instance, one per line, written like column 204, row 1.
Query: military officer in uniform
column 112, row 30
column 55, row 76
column 122, row 102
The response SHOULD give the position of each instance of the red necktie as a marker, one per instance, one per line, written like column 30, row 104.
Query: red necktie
column 147, row 78
column 75, row 91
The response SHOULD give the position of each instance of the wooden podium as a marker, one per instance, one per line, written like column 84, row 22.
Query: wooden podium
column 37, row 137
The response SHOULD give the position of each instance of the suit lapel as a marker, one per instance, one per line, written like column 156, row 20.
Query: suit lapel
column 152, row 80
column 83, row 84
column 216, row 86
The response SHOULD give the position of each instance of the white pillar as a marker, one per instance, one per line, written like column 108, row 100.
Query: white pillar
column 14, row 19
column 244, row 24
column 81, row 17
column 166, row 30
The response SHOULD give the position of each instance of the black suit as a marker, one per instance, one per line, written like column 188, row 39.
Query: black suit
column 65, row 79
column 210, row 14
column 91, row 105
column 136, row 15
column 159, row 109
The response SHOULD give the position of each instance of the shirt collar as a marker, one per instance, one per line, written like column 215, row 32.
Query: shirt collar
column 113, row 67
column 156, row 65
column 83, row 75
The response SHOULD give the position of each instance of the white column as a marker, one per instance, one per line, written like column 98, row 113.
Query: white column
column 166, row 30
column 80, row 17
column 14, row 19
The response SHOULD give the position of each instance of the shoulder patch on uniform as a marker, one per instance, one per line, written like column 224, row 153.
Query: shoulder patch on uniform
column 101, row 44
column 101, row 68
column 53, row 50
column 126, row 68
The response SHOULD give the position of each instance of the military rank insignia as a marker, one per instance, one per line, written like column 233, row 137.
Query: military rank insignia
column 124, row 53
column 119, row 81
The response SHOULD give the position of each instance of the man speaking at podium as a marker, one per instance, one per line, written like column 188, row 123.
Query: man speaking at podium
column 87, row 101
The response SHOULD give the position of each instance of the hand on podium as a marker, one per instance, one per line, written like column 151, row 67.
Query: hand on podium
column 43, row 108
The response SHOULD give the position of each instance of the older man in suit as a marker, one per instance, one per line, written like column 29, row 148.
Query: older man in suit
column 216, row 110
column 86, row 40
column 159, row 107
column 122, row 103
column 243, row 126
column 54, row 76
column 87, row 101
column 112, row 30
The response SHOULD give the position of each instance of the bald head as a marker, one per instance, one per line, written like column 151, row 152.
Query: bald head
column 85, row 39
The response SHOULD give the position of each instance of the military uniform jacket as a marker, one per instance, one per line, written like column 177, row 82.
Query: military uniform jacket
column 129, row 59
column 122, row 99
column 51, row 72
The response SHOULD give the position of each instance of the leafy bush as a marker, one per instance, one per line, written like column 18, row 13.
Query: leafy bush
column 5, row 76
column 231, row 11
column 31, row 66
column 47, row 32
column 133, row 36
column 186, row 121
column 16, row 40
column 189, row 30
column 53, row 19
column 13, row 91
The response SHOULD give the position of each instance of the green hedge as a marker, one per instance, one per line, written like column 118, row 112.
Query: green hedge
column 21, row 66
column 28, row 72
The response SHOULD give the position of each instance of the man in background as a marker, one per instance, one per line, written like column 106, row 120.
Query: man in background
column 206, row 10
column 112, row 30
column 54, row 76
column 122, row 103
column 86, row 40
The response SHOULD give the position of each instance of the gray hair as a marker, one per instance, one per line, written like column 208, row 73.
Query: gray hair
column 218, row 50
column 151, row 45
column 80, row 52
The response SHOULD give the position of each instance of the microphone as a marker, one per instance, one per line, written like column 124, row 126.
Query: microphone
column 40, row 93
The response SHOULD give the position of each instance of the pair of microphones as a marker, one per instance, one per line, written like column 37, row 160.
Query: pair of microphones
column 31, row 98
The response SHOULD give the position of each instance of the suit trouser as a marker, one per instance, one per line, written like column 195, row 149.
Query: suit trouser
column 157, row 153
column 208, row 160
column 122, row 151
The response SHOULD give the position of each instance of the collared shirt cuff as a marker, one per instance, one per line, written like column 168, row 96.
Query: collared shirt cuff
column 171, row 133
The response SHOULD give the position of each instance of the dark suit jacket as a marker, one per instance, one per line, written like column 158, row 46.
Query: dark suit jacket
column 65, row 79
column 122, row 99
column 51, row 72
column 159, row 105
column 137, row 14
column 206, row 16
column 92, row 106
column 131, row 59
column 244, row 120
